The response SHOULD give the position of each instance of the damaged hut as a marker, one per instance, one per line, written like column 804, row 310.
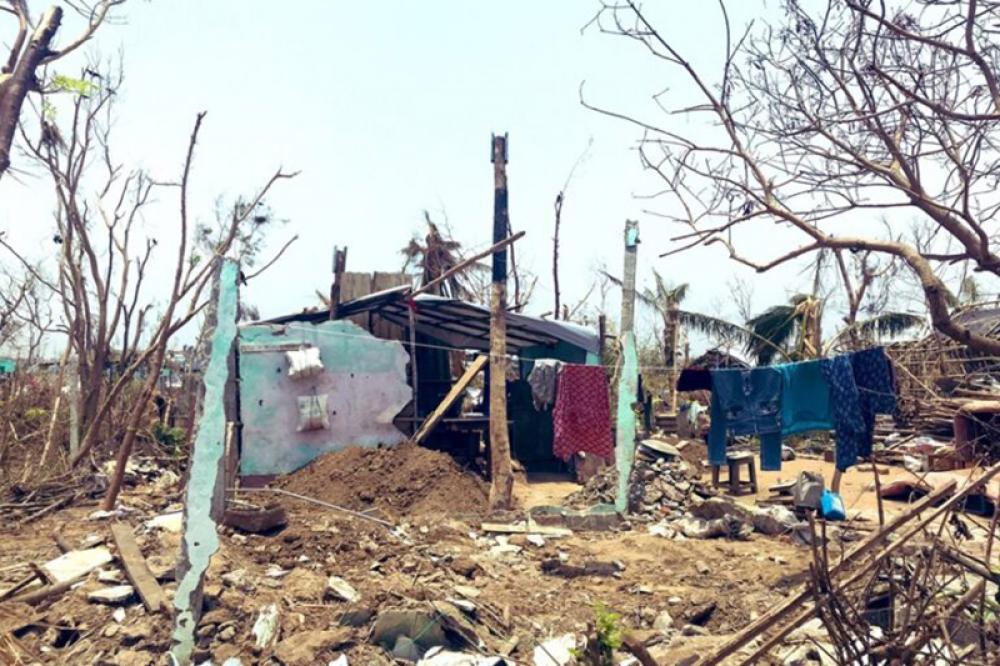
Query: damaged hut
column 367, row 379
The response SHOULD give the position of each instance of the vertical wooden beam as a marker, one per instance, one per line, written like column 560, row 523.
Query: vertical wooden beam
column 628, row 381
column 339, row 267
column 411, row 311
column 501, row 474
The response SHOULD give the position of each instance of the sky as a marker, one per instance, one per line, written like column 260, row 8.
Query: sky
column 387, row 109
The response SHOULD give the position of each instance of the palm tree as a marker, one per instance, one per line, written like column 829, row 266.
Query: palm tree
column 796, row 328
column 434, row 257
column 665, row 300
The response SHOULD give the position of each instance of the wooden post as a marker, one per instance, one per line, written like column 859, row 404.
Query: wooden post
column 339, row 266
column 411, row 312
column 501, row 474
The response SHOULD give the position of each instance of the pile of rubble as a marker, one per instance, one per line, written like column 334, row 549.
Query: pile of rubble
column 666, row 490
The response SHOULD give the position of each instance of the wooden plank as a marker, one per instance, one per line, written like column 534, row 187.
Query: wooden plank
column 456, row 390
column 781, row 612
column 380, row 327
column 136, row 568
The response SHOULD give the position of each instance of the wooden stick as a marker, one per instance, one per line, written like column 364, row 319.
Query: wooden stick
column 462, row 265
column 21, row 584
column 638, row 650
column 775, row 617
column 44, row 593
column 453, row 394
column 769, row 620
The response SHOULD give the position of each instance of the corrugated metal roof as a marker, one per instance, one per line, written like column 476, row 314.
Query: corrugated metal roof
column 457, row 323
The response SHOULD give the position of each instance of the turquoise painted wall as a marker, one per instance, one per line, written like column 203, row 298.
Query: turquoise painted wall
column 364, row 379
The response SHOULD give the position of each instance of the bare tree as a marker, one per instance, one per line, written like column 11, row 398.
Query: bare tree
column 105, row 261
column 32, row 50
column 838, row 110
column 557, row 208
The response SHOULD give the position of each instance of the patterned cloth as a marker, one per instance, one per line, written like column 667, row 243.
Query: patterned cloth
column 876, row 390
column 582, row 416
column 846, row 408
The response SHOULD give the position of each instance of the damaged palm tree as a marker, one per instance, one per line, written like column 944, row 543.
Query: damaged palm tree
column 436, row 257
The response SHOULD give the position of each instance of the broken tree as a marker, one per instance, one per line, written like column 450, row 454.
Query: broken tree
column 501, row 474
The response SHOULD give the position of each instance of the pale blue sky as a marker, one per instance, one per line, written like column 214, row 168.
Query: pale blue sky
column 387, row 109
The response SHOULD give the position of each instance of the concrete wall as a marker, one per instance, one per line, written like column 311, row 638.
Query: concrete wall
column 364, row 378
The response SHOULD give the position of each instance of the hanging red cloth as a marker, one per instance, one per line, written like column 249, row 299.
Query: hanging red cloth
column 581, row 417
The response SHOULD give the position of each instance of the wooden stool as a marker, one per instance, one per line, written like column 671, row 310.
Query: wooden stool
column 733, row 462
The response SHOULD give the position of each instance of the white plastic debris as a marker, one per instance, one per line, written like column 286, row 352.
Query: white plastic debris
column 265, row 628
column 342, row 589
column 555, row 651
column 119, row 615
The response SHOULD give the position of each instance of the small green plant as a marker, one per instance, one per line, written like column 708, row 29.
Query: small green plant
column 35, row 414
column 608, row 638
column 63, row 83
column 170, row 437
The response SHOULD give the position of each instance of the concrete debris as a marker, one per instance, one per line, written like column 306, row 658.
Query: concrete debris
column 729, row 527
column 171, row 522
column 303, row 648
column 664, row 622
column 442, row 657
column 339, row 661
column 109, row 576
column 165, row 481
column 76, row 564
column 774, row 520
column 341, row 589
column 715, row 508
column 555, row 652
column 112, row 595
column 304, row 585
column 119, row 615
column 265, row 628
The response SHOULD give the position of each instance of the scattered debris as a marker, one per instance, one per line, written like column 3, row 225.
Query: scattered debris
column 341, row 589
column 112, row 595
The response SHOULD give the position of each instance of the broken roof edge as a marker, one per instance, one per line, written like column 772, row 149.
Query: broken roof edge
column 558, row 331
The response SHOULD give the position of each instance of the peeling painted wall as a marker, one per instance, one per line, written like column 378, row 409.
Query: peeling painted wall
column 364, row 378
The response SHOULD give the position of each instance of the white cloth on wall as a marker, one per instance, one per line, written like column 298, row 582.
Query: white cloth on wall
column 313, row 414
column 304, row 363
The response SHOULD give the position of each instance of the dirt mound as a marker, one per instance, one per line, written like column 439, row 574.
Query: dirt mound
column 402, row 480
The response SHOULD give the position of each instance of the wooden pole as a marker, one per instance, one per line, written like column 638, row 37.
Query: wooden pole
column 411, row 311
column 501, row 474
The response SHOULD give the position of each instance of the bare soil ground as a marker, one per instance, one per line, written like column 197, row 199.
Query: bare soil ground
column 437, row 553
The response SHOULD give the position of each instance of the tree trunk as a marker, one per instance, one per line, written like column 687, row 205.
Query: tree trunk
column 501, row 473
column 15, row 85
